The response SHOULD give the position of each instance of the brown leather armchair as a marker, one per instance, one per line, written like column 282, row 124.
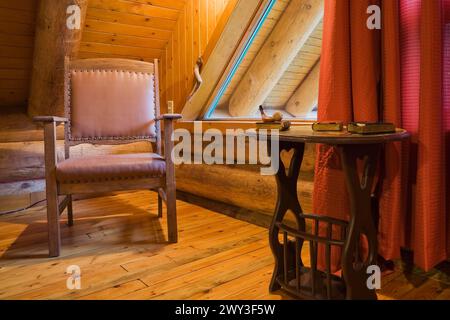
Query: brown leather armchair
column 109, row 101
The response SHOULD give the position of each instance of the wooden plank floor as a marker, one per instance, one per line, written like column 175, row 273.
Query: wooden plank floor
column 119, row 244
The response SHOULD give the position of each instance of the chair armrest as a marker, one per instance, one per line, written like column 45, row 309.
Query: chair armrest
column 168, row 147
column 169, row 116
column 50, row 155
column 47, row 119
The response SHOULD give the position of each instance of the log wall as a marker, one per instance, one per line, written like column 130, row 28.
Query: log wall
column 243, row 186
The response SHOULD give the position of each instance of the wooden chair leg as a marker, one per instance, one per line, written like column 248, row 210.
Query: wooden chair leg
column 171, row 195
column 172, row 215
column 54, row 234
column 69, row 212
column 160, row 206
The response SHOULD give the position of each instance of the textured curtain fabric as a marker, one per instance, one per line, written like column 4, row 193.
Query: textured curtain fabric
column 398, row 74
column 425, row 112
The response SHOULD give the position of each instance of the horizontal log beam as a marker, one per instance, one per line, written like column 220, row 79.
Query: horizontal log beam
column 21, row 161
column 243, row 186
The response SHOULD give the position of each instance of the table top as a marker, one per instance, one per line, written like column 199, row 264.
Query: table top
column 305, row 134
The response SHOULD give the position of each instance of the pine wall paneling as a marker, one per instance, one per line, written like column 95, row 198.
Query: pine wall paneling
column 17, row 24
column 188, row 42
column 174, row 31
column 129, row 29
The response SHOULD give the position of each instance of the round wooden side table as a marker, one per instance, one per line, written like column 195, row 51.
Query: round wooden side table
column 290, row 274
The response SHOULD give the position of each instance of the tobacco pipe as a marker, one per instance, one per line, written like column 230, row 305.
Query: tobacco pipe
column 276, row 117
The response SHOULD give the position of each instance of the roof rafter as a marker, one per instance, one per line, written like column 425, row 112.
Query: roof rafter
column 305, row 98
column 289, row 35
column 219, row 57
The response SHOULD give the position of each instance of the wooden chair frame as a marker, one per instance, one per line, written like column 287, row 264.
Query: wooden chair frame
column 165, row 186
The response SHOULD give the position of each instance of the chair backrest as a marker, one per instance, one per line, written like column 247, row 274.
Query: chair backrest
column 111, row 101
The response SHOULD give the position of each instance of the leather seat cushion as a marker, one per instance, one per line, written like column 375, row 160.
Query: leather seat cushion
column 111, row 167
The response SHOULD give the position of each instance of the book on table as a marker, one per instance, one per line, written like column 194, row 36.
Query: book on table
column 328, row 126
column 370, row 127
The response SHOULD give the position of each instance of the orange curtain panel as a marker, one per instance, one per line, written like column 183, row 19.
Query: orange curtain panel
column 398, row 74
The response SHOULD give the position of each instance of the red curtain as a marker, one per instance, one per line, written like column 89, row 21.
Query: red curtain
column 398, row 74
